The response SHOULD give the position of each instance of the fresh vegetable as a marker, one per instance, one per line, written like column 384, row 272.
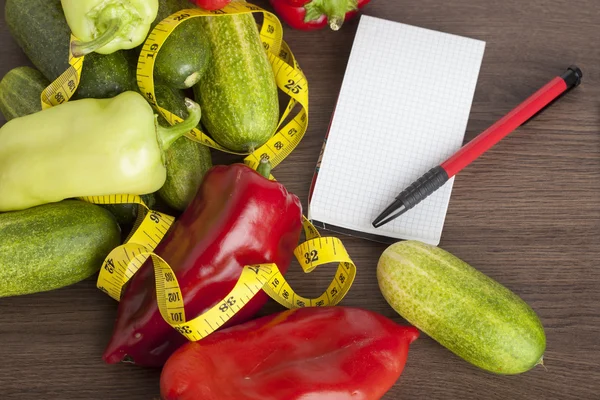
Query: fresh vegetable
column 54, row 245
column 184, row 56
column 238, row 93
column 308, row 353
column 467, row 312
column 17, row 89
column 238, row 218
column 85, row 147
column 20, row 95
column 187, row 161
column 40, row 29
column 212, row 4
column 106, row 26
column 316, row 14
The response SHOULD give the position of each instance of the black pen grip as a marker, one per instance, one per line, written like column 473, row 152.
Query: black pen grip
column 423, row 187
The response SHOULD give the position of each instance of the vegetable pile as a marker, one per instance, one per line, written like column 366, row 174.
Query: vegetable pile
column 211, row 72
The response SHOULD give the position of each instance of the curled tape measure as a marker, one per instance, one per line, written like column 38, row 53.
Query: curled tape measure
column 288, row 75
column 149, row 229
column 125, row 260
column 151, row 226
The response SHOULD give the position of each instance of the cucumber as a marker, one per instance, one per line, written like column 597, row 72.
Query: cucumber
column 238, row 93
column 54, row 245
column 20, row 91
column 40, row 29
column 467, row 312
column 187, row 161
column 184, row 57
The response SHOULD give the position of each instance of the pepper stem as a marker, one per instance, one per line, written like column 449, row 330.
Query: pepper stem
column 264, row 168
column 335, row 10
column 168, row 136
column 80, row 49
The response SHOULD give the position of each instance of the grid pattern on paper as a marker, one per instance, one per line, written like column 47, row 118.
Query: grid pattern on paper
column 403, row 109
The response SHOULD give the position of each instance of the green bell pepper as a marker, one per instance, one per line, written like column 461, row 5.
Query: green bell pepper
column 105, row 26
column 88, row 147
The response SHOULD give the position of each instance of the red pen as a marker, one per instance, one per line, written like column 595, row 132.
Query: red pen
column 437, row 176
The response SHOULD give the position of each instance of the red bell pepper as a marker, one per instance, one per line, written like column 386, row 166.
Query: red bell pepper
column 237, row 218
column 316, row 14
column 211, row 4
column 324, row 353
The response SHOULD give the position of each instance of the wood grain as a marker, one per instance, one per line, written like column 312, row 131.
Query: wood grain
column 527, row 214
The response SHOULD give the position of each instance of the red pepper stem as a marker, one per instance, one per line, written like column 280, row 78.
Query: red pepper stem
column 334, row 9
column 80, row 49
column 168, row 136
column 264, row 168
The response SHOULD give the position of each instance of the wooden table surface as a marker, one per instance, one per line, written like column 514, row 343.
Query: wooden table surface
column 527, row 214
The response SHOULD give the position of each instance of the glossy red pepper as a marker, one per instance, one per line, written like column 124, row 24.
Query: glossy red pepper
column 335, row 353
column 316, row 14
column 211, row 4
column 237, row 218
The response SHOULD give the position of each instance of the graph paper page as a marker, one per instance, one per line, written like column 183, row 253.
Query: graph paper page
column 403, row 109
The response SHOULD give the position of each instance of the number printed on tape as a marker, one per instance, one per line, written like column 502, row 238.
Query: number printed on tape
column 63, row 88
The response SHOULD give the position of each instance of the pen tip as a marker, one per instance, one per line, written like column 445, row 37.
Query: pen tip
column 392, row 212
column 379, row 221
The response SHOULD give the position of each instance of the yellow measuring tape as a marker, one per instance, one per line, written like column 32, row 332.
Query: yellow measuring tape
column 288, row 75
column 151, row 226
column 63, row 88
column 149, row 229
column 120, row 265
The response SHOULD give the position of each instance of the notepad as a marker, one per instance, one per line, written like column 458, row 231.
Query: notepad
column 402, row 109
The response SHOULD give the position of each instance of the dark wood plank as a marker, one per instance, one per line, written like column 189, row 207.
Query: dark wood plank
column 526, row 214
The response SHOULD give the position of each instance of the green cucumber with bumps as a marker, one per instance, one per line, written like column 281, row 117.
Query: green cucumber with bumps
column 184, row 56
column 53, row 246
column 464, row 310
column 238, row 92
column 41, row 30
column 20, row 91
